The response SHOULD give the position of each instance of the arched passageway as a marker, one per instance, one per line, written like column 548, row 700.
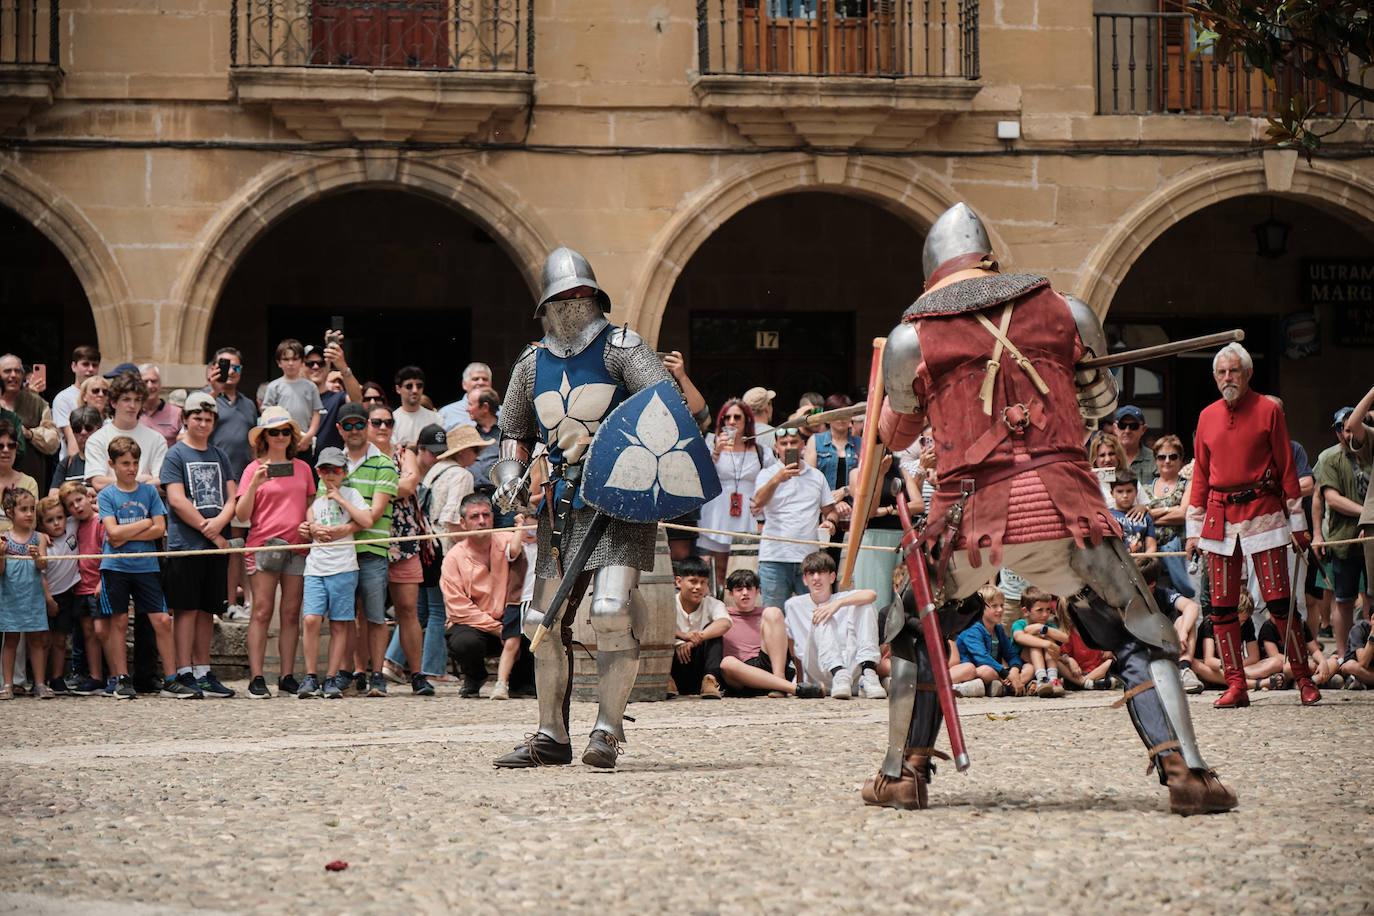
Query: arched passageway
column 45, row 310
column 1206, row 273
column 789, row 293
column 414, row 281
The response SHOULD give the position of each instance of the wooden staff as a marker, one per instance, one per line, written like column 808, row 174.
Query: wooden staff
column 870, row 460
column 818, row 419
column 1126, row 357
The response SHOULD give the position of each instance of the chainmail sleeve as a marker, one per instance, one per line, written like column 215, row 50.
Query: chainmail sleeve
column 633, row 364
column 517, row 420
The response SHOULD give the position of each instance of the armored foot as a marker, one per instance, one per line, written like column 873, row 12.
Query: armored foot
column 539, row 750
column 602, row 750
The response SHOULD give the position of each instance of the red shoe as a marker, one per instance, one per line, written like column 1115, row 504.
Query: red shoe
column 1309, row 692
column 1234, row 698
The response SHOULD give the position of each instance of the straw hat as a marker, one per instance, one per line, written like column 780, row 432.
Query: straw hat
column 463, row 437
column 273, row 417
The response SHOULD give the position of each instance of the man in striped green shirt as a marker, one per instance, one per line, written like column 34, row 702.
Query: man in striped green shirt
column 374, row 476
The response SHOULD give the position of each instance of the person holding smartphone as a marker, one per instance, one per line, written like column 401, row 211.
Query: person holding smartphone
column 739, row 458
column 34, row 418
column 793, row 499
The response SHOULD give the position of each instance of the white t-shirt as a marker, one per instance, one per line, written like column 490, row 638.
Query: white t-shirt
column 62, row 406
column 794, row 511
column 335, row 556
column 408, row 425
column 710, row 609
column 151, row 443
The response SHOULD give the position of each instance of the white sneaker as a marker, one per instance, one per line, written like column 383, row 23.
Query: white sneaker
column 237, row 612
column 968, row 689
column 841, row 688
column 501, row 691
column 1191, row 684
column 870, row 685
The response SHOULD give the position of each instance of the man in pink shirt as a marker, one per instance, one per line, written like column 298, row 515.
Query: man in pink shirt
column 158, row 413
column 483, row 575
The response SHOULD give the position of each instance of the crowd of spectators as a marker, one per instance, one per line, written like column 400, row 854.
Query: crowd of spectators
column 320, row 464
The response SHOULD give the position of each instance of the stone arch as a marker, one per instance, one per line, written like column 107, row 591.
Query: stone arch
column 292, row 185
column 1327, row 185
column 915, row 196
column 62, row 223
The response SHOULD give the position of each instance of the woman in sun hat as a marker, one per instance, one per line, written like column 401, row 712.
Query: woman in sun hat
column 273, row 495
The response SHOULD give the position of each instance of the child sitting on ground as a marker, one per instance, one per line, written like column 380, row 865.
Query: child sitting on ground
column 755, row 659
column 1183, row 611
column 986, row 644
column 1359, row 657
column 701, row 620
column 1324, row 670
column 834, row 635
column 59, row 582
column 963, row 674
column 1040, row 639
column 22, row 608
column 1207, row 663
column 1082, row 666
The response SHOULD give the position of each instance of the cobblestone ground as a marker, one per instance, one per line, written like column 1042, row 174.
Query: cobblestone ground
column 736, row 806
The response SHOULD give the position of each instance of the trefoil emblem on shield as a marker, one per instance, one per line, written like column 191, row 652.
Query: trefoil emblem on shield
column 654, row 458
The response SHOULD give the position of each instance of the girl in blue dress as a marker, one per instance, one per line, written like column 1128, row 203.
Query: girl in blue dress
column 23, row 605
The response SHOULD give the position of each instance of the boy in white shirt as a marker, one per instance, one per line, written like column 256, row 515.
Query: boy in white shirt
column 701, row 622
column 834, row 636
column 331, row 574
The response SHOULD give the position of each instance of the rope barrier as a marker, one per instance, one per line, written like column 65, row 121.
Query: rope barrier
column 216, row 551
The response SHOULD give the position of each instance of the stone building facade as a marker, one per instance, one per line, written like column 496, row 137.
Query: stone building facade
column 752, row 180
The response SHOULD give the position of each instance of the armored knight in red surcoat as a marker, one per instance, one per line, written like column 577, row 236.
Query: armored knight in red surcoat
column 989, row 360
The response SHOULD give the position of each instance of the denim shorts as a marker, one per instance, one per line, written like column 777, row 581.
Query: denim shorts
column 372, row 576
column 330, row 596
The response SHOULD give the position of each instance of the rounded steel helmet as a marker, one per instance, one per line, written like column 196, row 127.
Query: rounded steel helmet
column 565, row 269
column 957, row 231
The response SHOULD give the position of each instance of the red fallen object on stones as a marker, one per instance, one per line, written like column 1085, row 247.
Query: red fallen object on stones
column 336, row 865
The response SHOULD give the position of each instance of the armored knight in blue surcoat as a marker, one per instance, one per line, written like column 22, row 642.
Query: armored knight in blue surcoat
column 561, row 389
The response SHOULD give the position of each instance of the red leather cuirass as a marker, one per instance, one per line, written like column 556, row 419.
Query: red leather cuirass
column 1031, row 481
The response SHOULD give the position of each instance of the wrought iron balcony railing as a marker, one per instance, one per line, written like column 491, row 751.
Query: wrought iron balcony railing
column 873, row 38
column 466, row 35
column 1148, row 63
column 29, row 32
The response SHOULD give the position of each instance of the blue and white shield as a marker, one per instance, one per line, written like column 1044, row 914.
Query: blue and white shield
column 647, row 462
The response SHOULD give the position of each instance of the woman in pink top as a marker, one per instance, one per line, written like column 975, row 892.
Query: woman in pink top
column 274, row 504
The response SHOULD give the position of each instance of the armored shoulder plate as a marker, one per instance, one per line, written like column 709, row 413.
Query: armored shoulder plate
column 901, row 358
column 973, row 294
column 527, row 353
column 624, row 338
column 1089, row 327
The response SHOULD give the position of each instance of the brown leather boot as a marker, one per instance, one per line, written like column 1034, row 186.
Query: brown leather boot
column 1194, row 791
column 907, row 792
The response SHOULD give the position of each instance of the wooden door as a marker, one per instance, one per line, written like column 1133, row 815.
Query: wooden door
column 402, row 34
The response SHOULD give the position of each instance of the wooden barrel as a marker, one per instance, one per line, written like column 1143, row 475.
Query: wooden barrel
column 655, row 643
column 744, row 554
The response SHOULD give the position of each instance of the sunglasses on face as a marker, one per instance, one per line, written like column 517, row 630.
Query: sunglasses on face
column 97, row 390
column 374, row 399
column 85, row 429
column 1128, row 425
column 788, row 431
column 352, row 426
column 329, row 469
column 8, row 446
column 278, row 432
column 414, row 386
column 379, row 422
column 1168, row 457
column 314, row 364
column 734, row 416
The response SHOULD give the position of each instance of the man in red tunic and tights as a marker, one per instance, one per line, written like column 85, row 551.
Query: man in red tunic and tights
column 989, row 360
column 1245, row 503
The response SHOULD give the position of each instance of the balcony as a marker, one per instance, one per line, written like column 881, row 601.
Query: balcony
column 396, row 70
column 874, row 74
column 1148, row 63
column 30, row 63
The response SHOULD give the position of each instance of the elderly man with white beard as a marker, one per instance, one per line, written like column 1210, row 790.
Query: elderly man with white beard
column 1246, row 502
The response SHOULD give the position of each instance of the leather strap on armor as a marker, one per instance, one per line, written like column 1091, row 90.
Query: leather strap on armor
column 1137, row 689
column 1158, row 749
column 1016, row 354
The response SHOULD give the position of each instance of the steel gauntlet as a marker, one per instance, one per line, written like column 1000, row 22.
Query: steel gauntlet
column 510, row 477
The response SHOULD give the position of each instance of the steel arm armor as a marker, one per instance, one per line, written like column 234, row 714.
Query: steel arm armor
column 1096, row 387
column 901, row 357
